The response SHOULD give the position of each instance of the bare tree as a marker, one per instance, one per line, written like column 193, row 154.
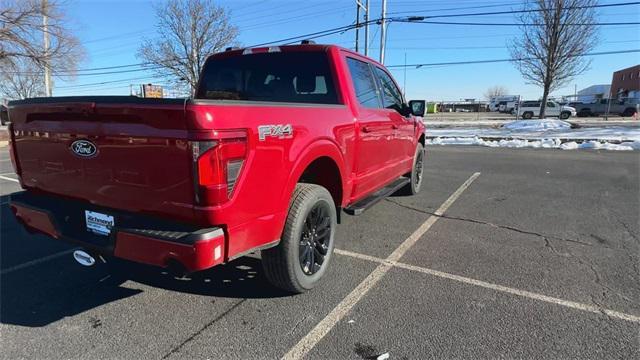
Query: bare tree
column 21, row 79
column 21, row 35
column 556, row 34
column 495, row 91
column 189, row 31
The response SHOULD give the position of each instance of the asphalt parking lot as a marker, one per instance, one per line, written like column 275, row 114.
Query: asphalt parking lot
column 507, row 253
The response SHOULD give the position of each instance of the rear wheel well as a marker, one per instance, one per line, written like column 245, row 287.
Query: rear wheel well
column 323, row 171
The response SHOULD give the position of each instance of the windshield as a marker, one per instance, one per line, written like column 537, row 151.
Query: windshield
column 295, row 77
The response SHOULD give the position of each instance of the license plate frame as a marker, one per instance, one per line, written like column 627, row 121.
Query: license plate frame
column 99, row 223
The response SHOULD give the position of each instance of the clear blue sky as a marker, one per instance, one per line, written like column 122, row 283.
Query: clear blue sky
column 111, row 31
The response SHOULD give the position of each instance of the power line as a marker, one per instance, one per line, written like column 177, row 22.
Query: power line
column 396, row 19
column 109, row 82
column 513, row 24
column 457, row 8
column 417, row 66
column 526, row 10
column 342, row 29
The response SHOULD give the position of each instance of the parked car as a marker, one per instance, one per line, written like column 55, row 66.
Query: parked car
column 275, row 144
column 530, row 109
column 627, row 107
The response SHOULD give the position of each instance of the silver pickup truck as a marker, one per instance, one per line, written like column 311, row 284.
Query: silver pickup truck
column 625, row 108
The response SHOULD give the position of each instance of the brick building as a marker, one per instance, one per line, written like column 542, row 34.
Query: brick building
column 626, row 83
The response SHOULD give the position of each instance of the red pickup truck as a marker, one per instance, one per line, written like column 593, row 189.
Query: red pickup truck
column 276, row 143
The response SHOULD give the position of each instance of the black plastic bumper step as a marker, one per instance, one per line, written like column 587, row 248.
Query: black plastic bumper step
column 362, row 205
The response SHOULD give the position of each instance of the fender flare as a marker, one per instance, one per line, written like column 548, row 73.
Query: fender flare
column 317, row 149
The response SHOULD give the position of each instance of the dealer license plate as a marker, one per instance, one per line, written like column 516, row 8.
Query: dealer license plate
column 99, row 223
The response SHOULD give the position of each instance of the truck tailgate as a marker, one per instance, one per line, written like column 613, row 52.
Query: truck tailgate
column 126, row 154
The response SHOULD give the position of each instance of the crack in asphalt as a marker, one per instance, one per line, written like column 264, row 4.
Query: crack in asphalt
column 547, row 243
column 208, row 325
column 634, row 262
column 293, row 329
column 505, row 227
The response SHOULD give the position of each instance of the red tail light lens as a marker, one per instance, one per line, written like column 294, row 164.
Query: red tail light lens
column 217, row 167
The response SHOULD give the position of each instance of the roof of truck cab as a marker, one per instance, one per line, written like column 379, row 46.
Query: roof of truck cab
column 289, row 48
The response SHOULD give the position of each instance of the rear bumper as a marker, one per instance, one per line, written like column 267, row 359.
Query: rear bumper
column 134, row 237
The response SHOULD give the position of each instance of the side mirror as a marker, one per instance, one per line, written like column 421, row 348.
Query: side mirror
column 418, row 107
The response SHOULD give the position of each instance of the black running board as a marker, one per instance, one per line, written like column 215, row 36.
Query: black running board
column 362, row 205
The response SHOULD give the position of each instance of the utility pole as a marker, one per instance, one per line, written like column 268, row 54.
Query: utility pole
column 365, row 9
column 357, row 24
column 47, row 63
column 366, row 28
column 382, row 30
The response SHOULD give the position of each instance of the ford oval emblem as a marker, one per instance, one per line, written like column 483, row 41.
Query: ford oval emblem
column 84, row 148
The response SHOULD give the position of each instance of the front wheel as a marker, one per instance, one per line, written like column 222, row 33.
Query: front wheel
column 564, row 115
column 527, row 115
column 303, row 255
column 417, row 172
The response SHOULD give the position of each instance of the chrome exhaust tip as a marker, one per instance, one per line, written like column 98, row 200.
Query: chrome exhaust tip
column 83, row 258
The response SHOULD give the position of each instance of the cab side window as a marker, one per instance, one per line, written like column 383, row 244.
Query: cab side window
column 364, row 83
column 391, row 96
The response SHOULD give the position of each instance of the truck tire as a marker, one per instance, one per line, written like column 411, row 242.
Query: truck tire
column 565, row 115
column 584, row 113
column 628, row 112
column 527, row 115
column 305, row 250
column 417, row 172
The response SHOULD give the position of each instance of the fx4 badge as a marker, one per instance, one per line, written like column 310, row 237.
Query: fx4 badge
column 279, row 131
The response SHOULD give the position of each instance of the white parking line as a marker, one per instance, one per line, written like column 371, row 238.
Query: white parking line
column 316, row 334
column 9, row 179
column 487, row 285
column 37, row 261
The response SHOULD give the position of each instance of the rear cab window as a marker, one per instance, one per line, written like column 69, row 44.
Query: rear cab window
column 289, row 77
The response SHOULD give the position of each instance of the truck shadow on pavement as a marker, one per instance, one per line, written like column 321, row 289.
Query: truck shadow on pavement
column 45, row 293
column 241, row 278
column 40, row 283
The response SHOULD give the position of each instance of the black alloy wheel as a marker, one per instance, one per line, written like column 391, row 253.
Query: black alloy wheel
column 419, row 168
column 315, row 239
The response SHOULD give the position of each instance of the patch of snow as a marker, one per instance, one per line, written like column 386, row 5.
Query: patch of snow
column 612, row 133
column 551, row 143
column 626, row 146
column 537, row 125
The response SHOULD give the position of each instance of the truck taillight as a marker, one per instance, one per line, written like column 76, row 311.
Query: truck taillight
column 217, row 167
